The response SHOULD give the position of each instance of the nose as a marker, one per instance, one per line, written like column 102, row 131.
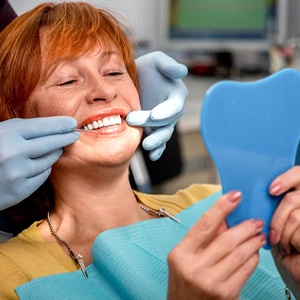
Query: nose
column 100, row 88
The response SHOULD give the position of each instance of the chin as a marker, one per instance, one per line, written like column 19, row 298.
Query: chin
column 99, row 151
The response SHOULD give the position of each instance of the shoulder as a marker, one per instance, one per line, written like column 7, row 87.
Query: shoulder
column 25, row 242
column 10, row 277
column 13, row 254
column 181, row 199
column 28, row 256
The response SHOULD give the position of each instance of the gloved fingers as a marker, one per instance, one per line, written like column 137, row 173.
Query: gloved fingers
column 158, row 137
column 20, row 169
column 156, row 153
column 41, row 146
column 143, row 118
column 170, row 109
column 43, row 164
column 36, row 127
column 26, row 176
column 30, row 185
column 33, row 183
column 170, row 67
column 138, row 118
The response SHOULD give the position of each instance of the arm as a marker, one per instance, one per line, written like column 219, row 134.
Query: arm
column 163, row 97
column 285, row 228
column 212, row 261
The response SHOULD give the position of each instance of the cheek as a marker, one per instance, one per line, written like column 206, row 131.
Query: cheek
column 133, row 97
column 34, row 110
column 41, row 105
column 31, row 108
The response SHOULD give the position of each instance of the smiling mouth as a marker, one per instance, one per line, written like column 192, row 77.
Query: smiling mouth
column 105, row 122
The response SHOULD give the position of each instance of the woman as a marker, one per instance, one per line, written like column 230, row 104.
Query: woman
column 163, row 73
column 79, row 63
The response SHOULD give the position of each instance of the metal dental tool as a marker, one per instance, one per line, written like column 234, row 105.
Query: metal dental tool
column 79, row 130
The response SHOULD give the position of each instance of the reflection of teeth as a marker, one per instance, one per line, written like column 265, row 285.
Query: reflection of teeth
column 107, row 121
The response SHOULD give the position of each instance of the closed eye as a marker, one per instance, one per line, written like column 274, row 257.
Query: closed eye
column 69, row 82
column 115, row 73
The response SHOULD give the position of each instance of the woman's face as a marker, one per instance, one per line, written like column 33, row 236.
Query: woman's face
column 97, row 91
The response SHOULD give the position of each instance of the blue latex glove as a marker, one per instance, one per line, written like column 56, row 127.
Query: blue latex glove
column 163, row 97
column 28, row 149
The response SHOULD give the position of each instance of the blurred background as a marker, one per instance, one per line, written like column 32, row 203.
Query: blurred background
column 218, row 40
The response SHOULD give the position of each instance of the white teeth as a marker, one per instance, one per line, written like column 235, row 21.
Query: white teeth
column 107, row 121
column 95, row 125
column 100, row 124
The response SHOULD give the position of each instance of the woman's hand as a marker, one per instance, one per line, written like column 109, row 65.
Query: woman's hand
column 285, row 228
column 212, row 261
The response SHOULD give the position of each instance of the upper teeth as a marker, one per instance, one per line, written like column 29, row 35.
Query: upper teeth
column 107, row 121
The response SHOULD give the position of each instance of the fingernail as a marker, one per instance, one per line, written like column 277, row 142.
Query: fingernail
column 273, row 237
column 275, row 188
column 259, row 224
column 262, row 237
column 234, row 196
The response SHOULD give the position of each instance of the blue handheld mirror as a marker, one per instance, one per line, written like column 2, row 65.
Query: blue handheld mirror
column 252, row 132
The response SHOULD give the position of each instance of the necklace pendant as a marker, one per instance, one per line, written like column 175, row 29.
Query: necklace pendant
column 79, row 259
column 160, row 213
column 162, row 210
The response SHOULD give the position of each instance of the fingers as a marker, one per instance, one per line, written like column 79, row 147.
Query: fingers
column 169, row 67
column 233, row 255
column 212, row 261
column 158, row 137
column 37, row 127
column 286, row 214
column 20, row 169
column 289, row 233
column 286, row 181
column 285, row 221
column 157, row 152
column 26, row 188
column 41, row 164
column 226, row 244
column 165, row 113
column 171, row 108
column 208, row 225
column 35, row 137
column 290, row 238
column 139, row 118
column 233, row 271
column 144, row 118
column 41, row 146
column 241, row 276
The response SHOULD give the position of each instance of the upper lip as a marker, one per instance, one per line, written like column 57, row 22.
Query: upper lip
column 102, row 115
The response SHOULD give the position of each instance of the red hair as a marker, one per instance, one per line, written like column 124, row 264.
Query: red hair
column 72, row 30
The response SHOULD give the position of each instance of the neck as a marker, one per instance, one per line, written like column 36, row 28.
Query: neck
column 106, row 199
column 85, row 206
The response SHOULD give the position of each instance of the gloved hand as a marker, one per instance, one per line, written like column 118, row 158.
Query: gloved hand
column 28, row 149
column 163, row 97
